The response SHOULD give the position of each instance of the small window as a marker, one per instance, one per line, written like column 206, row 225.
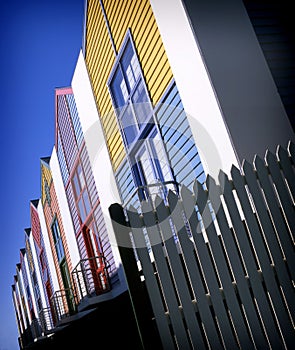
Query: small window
column 81, row 194
column 57, row 240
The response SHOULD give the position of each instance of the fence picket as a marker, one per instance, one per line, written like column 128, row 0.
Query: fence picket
column 219, row 258
column 282, row 191
column 286, row 165
column 291, row 150
column 208, row 272
column 218, row 266
column 193, row 270
column 280, row 227
column 254, row 278
column 269, row 235
column 164, row 274
column 262, row 256
column 237, row 268
column 151, row 282
column 179, row 275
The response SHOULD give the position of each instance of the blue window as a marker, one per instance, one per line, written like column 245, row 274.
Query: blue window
column 129, row 93
column 57, row 240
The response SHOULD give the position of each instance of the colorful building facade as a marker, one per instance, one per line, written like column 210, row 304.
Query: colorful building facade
column 147, row 132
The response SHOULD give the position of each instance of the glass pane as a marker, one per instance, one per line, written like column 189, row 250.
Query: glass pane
column 81, row 177
column 141, row 104
column 81, row 210
column 129, row 125
column 135, row 67
column 76, row 185
column 116, row 89
column 86, row 202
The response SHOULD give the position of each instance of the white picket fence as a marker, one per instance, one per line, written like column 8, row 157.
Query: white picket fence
column 217, row 264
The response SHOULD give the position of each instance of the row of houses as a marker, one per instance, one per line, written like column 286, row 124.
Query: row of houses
column 157, row 101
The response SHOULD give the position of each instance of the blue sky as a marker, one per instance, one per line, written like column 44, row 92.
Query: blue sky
column 39, row 47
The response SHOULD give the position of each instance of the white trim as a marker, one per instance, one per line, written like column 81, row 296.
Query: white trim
column 37, row 270
column 47, row 247
column 97, row 149
column 200, row 103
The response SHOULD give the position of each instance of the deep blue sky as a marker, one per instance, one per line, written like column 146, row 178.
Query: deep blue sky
column 39, row 46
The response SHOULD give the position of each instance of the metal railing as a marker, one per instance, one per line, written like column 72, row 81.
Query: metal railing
column 46, row 320
column 63, row 304
column 90, row 277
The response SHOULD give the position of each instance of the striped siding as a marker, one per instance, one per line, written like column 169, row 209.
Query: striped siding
column 72, row 205
column 125, row 181
column 178, row 140
column 45, row 177
column 100, row 58
column 69, row 144
column 75, row 119
column 71, row 137
column 92, row 191
column 62, row 160
column 138, row 16
column 49, row 212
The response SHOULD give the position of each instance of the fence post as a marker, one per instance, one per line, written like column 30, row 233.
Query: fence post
column 142, row 310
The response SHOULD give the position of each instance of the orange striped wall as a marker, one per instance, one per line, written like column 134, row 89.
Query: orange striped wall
column 49, row 212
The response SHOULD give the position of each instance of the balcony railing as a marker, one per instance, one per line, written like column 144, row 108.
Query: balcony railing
column 63, row 304
column 46, row 320
column 90, row 277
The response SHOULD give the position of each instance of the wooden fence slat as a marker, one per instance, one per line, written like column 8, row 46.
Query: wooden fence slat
column 291, row 150
column 209, row 274
column 260, row 249
column 269, row 235
column 286, row 165
column 179, row 276
column 282, row 191
column 193, row 270
column 219, row 258
column 150, row 279
column 282, row 233
column 254, row 278
column 164, row 275
column 237, row 268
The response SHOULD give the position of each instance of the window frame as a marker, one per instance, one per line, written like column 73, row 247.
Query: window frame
column 58, row 241
column 139, row 125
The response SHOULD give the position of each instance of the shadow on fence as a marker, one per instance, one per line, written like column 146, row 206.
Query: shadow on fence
column 216, row 263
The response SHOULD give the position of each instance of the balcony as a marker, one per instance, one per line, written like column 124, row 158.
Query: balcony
column 90, row 278
column 64, row 304
column 46, row 320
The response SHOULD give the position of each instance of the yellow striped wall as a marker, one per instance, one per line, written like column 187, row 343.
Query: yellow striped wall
column 100, row 57
column 45, row 176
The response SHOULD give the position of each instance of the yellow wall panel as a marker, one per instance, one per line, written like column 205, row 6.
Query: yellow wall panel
column 100, row 57
column 138, row 16
column 45, row 176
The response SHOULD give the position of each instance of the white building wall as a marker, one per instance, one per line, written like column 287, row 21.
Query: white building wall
column 97, row 150
column 25, row 297
column 17, row 312
column 37, row 270
column 34, row 302
column 64, row 209
column 48, row 250
column 198, row 97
